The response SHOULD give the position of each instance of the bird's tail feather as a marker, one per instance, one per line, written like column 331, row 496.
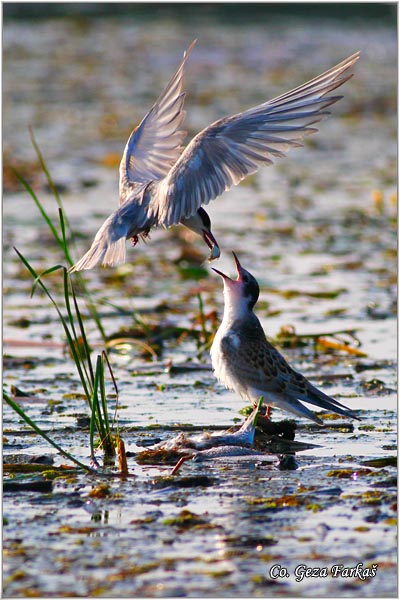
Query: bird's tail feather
column 297, row 408
column 318, row 398
column 105, row 250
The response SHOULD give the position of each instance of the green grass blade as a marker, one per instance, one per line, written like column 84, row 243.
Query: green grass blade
column 80, row 350
column 108, row 442
column 62, row 240
column 99, row 416
column 44, row 214
column 45, row 170
column 64, row 237
column 259, row 405
column 40, row 432
column 105, row 358
column 105, row 435
column 37, row 280
column 94, row 418
column 70, row 339
column 82, row 331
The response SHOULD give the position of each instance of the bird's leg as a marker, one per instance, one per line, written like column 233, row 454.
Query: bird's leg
column 145, row 234
column 264, row 412
column 135, row 238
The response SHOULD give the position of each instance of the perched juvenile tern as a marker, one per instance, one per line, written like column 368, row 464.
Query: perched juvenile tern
column 162, row 184
column 245, row 362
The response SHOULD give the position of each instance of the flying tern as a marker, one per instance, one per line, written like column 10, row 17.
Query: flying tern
column 163, row 184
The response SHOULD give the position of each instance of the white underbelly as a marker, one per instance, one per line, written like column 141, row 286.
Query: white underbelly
column 222, row 370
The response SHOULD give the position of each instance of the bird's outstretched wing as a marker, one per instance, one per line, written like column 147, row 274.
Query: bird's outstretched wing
column 155, row 145
column 225, row 152
column 261, row 367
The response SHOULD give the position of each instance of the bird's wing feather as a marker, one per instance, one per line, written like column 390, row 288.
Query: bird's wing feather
column 230, row 149
column 262, row 367
column 155, row 145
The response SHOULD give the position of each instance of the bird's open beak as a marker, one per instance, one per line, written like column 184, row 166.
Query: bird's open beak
column 212, row 244
column 238, row 268
column 224, row 277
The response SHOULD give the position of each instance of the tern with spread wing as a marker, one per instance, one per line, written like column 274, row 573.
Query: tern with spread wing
column 163, row 184
column 245, row 361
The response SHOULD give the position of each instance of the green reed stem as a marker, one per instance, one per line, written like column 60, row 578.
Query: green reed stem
column 62, row 239
column 80, row 350
column 40, row 432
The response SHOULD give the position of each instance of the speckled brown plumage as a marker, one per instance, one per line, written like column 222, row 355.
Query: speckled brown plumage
column 246, row 362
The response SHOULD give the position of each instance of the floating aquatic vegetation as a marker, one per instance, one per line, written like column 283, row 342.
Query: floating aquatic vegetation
column 342, row 341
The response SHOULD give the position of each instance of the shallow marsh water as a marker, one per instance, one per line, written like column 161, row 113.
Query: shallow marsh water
column 318, row 230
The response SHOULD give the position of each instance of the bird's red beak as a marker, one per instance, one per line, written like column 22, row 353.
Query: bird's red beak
column 238, row 269
column 212, row 244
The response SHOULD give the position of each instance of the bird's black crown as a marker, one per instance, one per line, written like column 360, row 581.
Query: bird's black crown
column 251, row 289
column 205, row 219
